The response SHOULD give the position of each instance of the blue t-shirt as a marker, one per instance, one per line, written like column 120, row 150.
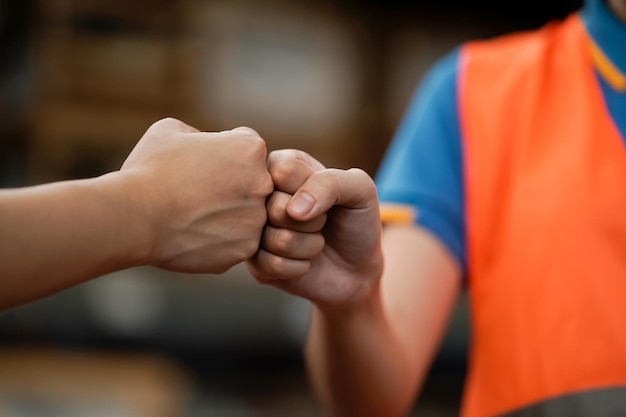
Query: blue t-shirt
column 423, row 166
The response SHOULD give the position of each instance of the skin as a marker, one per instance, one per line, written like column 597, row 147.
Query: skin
column 376, row 325
column 183, row 201
column 619, row 8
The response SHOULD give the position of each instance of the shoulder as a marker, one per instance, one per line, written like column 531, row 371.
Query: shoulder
column 441, row 79
column 436, row 96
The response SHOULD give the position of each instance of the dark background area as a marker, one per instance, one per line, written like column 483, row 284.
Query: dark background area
column 79, row 83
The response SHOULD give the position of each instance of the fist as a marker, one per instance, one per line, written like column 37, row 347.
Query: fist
column 323, row 238
column 203, row 195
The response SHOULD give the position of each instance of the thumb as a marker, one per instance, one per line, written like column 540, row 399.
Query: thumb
column 352, row 189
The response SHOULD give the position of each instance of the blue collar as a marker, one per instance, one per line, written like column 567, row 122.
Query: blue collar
column 607, row 30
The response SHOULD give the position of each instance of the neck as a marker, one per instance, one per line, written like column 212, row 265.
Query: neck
column 619, row 8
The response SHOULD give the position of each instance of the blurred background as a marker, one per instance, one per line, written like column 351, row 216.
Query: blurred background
column 81, row 80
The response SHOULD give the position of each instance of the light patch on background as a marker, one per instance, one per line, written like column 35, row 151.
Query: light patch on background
column 274, row 66
column 128, row 302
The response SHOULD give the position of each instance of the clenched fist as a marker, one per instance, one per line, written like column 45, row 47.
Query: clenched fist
column 203, row 194
column 323, row 239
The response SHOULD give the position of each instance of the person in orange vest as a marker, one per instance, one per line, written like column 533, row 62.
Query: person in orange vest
column 510, row 167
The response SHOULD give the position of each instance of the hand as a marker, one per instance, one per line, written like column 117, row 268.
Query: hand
column 203, row 195
column 323, row 240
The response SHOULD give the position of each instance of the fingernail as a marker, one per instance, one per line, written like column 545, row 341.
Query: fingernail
column 302, row 203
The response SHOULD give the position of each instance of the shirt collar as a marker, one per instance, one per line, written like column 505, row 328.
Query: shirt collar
column 607, row 31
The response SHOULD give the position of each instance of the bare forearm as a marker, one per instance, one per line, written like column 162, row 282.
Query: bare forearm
column 373, row 362
column 57, row 235
column 357, row 365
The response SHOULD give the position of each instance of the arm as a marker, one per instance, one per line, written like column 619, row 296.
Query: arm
column 183, row 200
column 56, row 235
column 372, row 360
column 371, row 339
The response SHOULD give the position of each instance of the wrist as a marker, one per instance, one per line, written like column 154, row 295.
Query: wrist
column 129, row 210
column 365, row 295
column 366, row 302
column 341, row 323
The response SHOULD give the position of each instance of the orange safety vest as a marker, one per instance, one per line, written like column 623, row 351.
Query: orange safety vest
column 545, row 181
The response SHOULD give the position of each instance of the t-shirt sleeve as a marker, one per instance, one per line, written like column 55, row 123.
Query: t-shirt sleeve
column 422, row 168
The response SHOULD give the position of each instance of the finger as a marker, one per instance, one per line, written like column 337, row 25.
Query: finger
column 351, row 188
column 266, row 266
column 170, row 124
column 291, row 244
column 276, row 206
column 290, row 168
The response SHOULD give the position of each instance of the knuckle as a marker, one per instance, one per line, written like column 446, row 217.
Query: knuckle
column 361, row 174
column 284, row 239
column 166, row 123
column 171, row 124
column 257, row 145
column 254, row 149
column 276, row 208
column 260, row 186
column 268, row 185
column 277, row 264
column 283, row 169
column 258, row 268
column 246, row 131
column 357, row 171
column 283, row 154
column 249, row 248
column 326, row 179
